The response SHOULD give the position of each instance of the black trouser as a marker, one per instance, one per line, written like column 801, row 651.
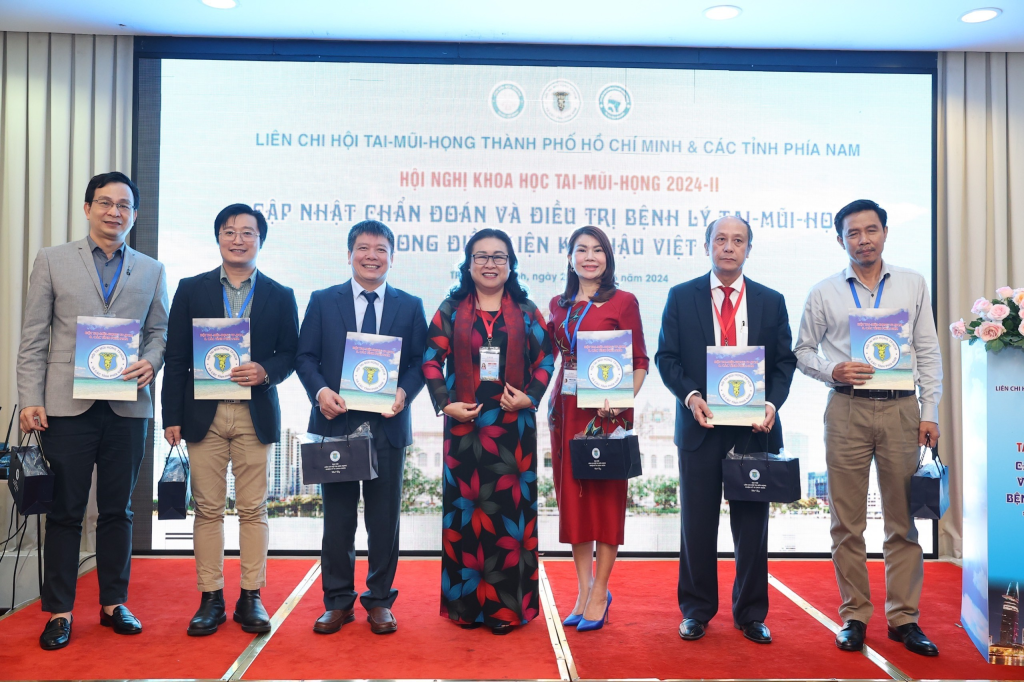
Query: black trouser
column 700, row 488
column 382, row 504
column 73, row 446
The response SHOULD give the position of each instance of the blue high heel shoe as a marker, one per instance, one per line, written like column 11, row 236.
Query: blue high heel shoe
column 585, row 625
column 572, row 620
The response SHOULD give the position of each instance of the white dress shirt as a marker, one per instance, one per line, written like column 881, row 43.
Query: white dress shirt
column 826, row 324
column 360, row 304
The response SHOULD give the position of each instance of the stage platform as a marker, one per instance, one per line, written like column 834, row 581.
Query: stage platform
column 640, row 641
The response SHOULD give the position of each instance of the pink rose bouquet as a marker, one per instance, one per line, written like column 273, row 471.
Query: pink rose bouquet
column 998, row 324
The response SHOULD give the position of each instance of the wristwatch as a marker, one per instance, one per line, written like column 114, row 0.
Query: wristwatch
column 266, row 380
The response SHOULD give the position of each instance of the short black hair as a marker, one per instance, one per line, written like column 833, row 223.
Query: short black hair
column 856, row 207
column 104, row 179
column 711, row 228
column 231, row 211
column 374, row 227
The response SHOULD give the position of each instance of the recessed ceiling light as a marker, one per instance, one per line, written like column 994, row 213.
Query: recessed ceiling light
column 722, row 12
column 220, row 4
column 977, row 16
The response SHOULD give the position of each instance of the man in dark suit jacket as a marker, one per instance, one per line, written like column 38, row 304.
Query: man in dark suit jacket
column 722, row 308
column 242, row 432
column 364, row 304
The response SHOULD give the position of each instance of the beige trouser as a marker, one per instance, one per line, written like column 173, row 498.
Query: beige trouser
column 857, row 430
column 231, row 438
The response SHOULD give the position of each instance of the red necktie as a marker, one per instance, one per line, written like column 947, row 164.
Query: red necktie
column 728, row 318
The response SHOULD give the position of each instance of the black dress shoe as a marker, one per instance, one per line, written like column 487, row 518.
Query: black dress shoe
column 209, row 616
column 756, row 631
column 250, row 613
column 691, row 629
column 122, row 620
column 912, row 638
column 56, row 634
column 851, row 637
column 502, row 629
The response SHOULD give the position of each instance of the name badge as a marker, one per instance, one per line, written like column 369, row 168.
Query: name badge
column 490, row 361
column 569, row 382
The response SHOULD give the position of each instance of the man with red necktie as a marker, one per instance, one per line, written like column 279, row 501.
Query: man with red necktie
column 722, row 308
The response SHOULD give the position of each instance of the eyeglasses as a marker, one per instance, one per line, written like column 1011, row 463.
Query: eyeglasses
column 105, row 205
column 482, row 258
column 247, row 235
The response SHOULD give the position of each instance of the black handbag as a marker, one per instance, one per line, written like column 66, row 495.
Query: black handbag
column 595, row 456
column 760, row 477
column 172, row 489
column 929, row 488
column 340, row 459
column 30, row 480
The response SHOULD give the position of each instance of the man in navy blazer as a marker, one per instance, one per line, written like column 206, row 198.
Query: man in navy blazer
column 717, row 309
column 241, row 432
column 364, row 304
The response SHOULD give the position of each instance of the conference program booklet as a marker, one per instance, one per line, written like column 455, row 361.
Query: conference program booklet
column 219, row 344
column 736, row 385
column 604, row 364
column 880, row 337
column 104, row 347
column 369, row 375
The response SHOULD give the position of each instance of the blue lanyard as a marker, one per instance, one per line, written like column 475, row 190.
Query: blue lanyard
column 245, row 303
column 856, row 299
column 108, row 289
column 568, row 314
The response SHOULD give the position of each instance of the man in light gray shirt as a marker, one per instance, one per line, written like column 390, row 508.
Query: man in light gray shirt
column 862, row 424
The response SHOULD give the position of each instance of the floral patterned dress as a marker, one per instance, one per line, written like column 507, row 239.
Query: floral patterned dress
column 489, row 564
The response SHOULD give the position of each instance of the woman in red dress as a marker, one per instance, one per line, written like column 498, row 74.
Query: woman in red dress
column 590, row 511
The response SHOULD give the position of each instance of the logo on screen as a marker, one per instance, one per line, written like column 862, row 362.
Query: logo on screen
column 560, row 101
column 507, row 100
column 882, row 352
column 614, row 102
column 370, row 376
column 736, row 389
column 219, row 362
column 107, row 361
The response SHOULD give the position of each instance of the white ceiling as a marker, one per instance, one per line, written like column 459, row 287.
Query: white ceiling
column 795, row 24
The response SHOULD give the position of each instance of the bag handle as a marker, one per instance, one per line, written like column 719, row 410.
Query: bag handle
column 27, row 438
column 935, row 456
column 176, row 449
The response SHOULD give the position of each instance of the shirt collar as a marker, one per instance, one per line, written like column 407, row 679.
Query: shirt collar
column 251, row 279
column 357, row 289
column 850, row 274
column 716, row 283
column 93, row 246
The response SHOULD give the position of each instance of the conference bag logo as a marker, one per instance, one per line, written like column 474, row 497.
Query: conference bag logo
column 614, row 102
column 107, row 361
column 561, row 101
column 605, row 373
column 595, row 453
column 370, row 376
column 736, row 389
column 335, row 456
column 882, row 352
column 507, row 100
column 219, row 362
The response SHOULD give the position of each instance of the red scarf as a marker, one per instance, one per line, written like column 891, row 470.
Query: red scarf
column 466, row 379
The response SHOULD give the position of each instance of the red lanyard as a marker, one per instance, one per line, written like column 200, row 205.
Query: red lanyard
column 489, row 324
column 732, row 318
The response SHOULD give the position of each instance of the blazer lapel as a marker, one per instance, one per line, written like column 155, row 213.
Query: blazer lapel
column 126, row 270
column 391, row 305
column 260, row 297
column 347, row 307
column 754, row 309
column 702, row 301
column 214, row 293
column 90, row 266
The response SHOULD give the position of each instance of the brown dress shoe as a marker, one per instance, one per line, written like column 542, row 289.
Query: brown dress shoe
column 331, row 621
column 381, row 620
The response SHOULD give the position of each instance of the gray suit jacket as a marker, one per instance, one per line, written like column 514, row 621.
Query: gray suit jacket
column 64, row 285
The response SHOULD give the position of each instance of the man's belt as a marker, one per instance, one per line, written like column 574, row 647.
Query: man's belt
column 874, row 394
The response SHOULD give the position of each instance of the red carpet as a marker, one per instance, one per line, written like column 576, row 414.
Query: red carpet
column 642, row 640
column 940, row 616
column 425, row 646
column 163, row 595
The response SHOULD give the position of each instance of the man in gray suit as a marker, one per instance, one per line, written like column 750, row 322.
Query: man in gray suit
column 99, row 276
